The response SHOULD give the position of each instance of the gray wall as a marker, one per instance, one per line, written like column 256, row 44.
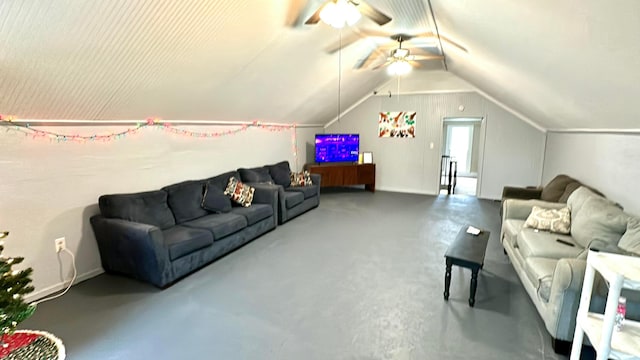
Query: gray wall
column 50, row 189
column 512, row 149
column 608, row 162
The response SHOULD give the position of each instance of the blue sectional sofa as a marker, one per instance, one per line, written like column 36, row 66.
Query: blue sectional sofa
column 163, row 235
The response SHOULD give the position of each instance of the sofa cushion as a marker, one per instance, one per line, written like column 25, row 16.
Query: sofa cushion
column 553, row 220
column 254, row 213
column 534, row 243
column 280, row 173
column 239, row 192
column 220, row 225
column 540, row 273
column 555, row 188
column 145, row 207
column 598, row 219
column 577, row 199
column 630, row 240
column 215, row 200
column 182, row 240
column 307, row 191
column 571, row 187
column 293, row 198
column 184, row 199
column 257, row 175
column 221, row 181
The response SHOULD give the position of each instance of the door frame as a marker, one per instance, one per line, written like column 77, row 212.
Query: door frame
column 483, row 134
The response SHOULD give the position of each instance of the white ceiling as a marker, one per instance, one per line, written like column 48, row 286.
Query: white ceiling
column 569, row 64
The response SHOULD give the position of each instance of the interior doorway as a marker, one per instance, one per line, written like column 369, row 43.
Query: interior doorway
column 461, row 145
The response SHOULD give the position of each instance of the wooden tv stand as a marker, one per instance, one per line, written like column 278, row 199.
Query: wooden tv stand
column 345, row 174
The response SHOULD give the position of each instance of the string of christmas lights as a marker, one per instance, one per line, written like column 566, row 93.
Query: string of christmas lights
column 150, row 123
column 154, row 123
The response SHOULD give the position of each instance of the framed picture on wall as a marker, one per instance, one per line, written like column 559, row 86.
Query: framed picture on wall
column 367, row 158
column 396, row 124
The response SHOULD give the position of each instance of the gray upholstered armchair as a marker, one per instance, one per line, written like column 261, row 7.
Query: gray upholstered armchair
column 292, row 200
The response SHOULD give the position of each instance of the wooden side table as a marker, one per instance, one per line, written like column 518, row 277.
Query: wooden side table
column 32, row 345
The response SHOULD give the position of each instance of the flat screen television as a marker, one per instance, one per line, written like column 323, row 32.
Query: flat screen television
column 337, row 148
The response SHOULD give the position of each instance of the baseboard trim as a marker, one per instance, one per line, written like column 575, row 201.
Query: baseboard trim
column 39, row 294
column 406, row 191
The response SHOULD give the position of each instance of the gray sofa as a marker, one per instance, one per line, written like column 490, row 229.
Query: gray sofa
column 163, row 235
column 292, row 200
column 552, row 272
column 557, row 190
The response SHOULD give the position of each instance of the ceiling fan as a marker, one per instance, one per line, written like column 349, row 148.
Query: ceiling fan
column 352, row 9
column 400, row 60
column 359, row 34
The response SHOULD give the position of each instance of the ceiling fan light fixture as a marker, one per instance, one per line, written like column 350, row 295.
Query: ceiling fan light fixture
column 399, row 53
column 340, row 13
column 399, row 68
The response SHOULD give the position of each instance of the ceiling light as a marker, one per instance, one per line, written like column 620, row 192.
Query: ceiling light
column 340, row 13
column 399, row 68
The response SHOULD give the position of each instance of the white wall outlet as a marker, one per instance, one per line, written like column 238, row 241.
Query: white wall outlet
column 61, row 243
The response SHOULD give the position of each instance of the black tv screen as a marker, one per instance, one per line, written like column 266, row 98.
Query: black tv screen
column 337, row 147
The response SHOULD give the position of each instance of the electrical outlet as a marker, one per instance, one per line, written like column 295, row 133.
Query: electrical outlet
column 61, row 243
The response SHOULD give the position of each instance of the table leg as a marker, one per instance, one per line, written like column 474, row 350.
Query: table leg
column 447, row 279
column 474, row 285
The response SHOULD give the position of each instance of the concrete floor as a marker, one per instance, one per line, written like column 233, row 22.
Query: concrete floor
column 360, row 277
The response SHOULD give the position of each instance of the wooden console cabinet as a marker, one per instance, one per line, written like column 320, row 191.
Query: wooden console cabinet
column 346, row 174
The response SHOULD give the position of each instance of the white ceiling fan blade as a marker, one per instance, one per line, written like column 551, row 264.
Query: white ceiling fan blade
column 295, row 13
column 372, row 13
column 424, row 57
column 315, row 17
column 374, row 55
column 377, row 67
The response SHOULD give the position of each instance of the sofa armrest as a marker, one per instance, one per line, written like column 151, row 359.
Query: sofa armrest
column 564, row 297
column 267, row 194
column 568, row 275
column 132, row 248
column 525, row 193
column 520, row 209
column 316, row 179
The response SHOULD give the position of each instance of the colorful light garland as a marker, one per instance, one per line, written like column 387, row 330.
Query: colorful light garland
column 154, row 123
column 150, row 123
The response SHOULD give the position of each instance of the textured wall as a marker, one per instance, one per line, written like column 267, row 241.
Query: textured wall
column 51, row 189
column 608, row 162
column 512, row 149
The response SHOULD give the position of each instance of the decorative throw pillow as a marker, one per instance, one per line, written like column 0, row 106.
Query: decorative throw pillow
column 239, row 192
column 215, row 200
column 301, row 179
column 554, row 220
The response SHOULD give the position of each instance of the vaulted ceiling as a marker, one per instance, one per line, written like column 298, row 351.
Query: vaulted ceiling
column 563, row 65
